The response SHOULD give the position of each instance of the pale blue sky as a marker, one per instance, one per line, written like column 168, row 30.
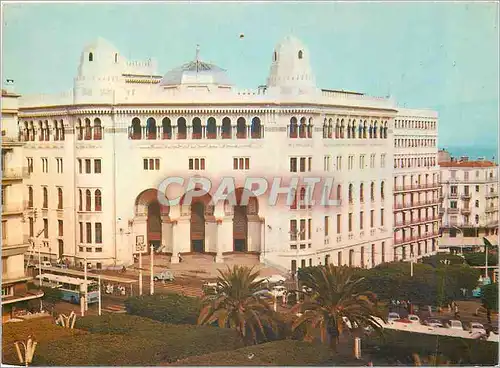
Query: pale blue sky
column 442, row 56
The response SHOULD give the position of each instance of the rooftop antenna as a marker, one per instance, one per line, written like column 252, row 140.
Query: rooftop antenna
column 197, row 56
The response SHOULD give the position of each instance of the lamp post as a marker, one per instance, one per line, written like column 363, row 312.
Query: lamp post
column 86, row 284
column 100, row 302
column 29, row 350
column 411, row 264
column 152, row 283
column 139, row 247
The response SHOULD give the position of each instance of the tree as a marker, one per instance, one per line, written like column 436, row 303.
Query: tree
column 490, row 296
column 236, row 305
column 335, row 295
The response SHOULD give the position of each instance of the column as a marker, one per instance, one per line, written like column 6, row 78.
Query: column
column 166, row 234
column 225, row 238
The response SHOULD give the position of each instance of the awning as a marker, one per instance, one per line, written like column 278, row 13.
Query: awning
column 21, row 298
column 466, row 241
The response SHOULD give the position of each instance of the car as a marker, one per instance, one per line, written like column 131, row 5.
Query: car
column 61, row 265
column 393, row 316
column 476, row 327
column 279, row 291
column 413, row 318
column 276, row 279
column 433, row 323
column 264, row 293
column 46, row 264
column 164, row 276
column 455, row 324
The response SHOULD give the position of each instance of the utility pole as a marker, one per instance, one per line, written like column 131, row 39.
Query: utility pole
column 100, row 302
column 152, row 281
column 139, row 248
column 86, row 285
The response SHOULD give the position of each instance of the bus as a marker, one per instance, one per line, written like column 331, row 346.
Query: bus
column 71, row 287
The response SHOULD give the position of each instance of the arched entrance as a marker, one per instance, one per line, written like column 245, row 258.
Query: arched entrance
column 150, row 214
column 201, row 212
column 246, row 209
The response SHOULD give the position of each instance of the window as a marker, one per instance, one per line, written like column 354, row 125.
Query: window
column 8, row 290
column 339, row 163
column 361, row 215
column 382, row 194
column 361, row 193
column 81, row 232
column 97, row 166
column 303, row 229
column 45, row 165
column 309, row 229
column 382, row 160
column 453, row 204
column 327, row 220
column 60, row 228
column 31, row 226
column 350, row 162
column 372, row 191
column 30, row 197
column 151, row 164
column 80, row 165
column 383, row 252
column 382, row 217
column 477, row 204
column 372, row 161
column 477, row 188
column 97, row 200
column 241, row 163
column 339, row 224
column 351, row 258
column 98, row 233
column 4, row 229
column 80, row 200
column 350, row 223
column 339, row 258
column 293, row 164
column 372, row 218
column 361, row 162
column 293, row 230
column 59, row 164
column 326, row 163
column 87, row 166
column 46, row 228
column 302, row 164
column 88, row 200
column 45, row 194
column 196, row 164
column 89, row 232
column 301, row 54
column 362, row 251
column 30, row 164
column 59, row 199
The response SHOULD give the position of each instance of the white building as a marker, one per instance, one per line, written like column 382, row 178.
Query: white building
column 99, row 152
column 469, row 203
column 14, row 240
column 416, row 184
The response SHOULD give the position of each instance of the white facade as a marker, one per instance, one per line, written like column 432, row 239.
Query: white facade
column 135, row 128
column 469, row 202
column 416, row 184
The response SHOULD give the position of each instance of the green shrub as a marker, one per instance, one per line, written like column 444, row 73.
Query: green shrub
column 277, row 353
column 168, row 308
column 489, row 296
column 130, row 340
column 479, row 258
column 401, row 345
column 43, row 330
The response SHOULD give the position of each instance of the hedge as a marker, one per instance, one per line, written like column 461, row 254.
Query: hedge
column 168, row 308
column 401, row 345
column 43, row 330
column 120, row 340
column 277, row 353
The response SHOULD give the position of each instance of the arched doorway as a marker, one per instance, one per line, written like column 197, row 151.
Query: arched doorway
column 245, row 210
column 149, row 216
column 201, row 212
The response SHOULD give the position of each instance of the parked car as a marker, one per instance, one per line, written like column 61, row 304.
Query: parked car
column 266, row 294
column 276, row 279
column 393, row 316
column 413, row 318
column 61, row 265
column 476, row 327
column 433, row 323
column 455, row 324
column 164, row 276
column 46, row 264
column 279, row 290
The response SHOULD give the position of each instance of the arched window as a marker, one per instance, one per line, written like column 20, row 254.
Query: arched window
column 32, row 129
column 241, row 128
column 91, row 56
column 360, row 130
column 197, row 130
column 342, row 129
column 375, row 130
column 30, row 197
column 477, row 219
column 382, row 194
column 372, row 191
column 59, row 199
column 325, row 128
column 364, row 129
column 45, row 194
column 116, row 58
column 361, row 193
column 302, row 128
column 349, row 129
column 79, row 129
column 167, row 128
column 302, row 198
column 353, row 129
column 80, row 200
column 275, row 56
column 370, row 131
column 330, row 128
column 61, row 133
column 350, row 194
column 136, row 132
column 97, row 129
column 256, row 128
column 56, row 131
column 337, row 129
column 310, row 128
column 26, row 132
column 293, row 127
column 226, row 128
column 181, row 128
column 88, row 130
column 88, row 200
column 97, row 200
column 211, row 128
column 40, row 129
column 301, row 54
column 151, row 128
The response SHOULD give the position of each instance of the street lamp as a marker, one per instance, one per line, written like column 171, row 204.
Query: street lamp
column 139, row 247
column 29, row 350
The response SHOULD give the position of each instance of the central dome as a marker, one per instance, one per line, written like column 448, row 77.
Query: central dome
column 196, row 72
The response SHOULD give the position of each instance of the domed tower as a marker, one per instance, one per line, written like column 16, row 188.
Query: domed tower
column 291, row 70
column 100, row 71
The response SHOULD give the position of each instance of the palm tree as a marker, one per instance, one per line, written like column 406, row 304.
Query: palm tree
column 333, row 296
column 239, row 305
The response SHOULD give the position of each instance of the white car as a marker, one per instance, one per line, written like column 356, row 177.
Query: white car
column 279, row 291
column 393, row 316
column 46, row 264
column 433, row 323
column 476, row 327
column 413, row 318
column 455, row 325
column 276, row 279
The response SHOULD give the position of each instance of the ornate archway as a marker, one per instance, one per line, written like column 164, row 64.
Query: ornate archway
column 244, row 211
column 201, row 211
column 150, row 215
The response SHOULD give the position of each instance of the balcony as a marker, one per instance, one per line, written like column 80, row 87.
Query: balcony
column 465, row 211
column 452, row 210
column 491, row 209
column 415, row 221
column 15, row 173
column 415, row 238
column 398, row 206
column 12, row 209
column 492, row 195
column 405, row 188
column 465, row 196
column 453, row 195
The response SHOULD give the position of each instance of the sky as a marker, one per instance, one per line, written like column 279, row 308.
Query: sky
column 440, row 56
